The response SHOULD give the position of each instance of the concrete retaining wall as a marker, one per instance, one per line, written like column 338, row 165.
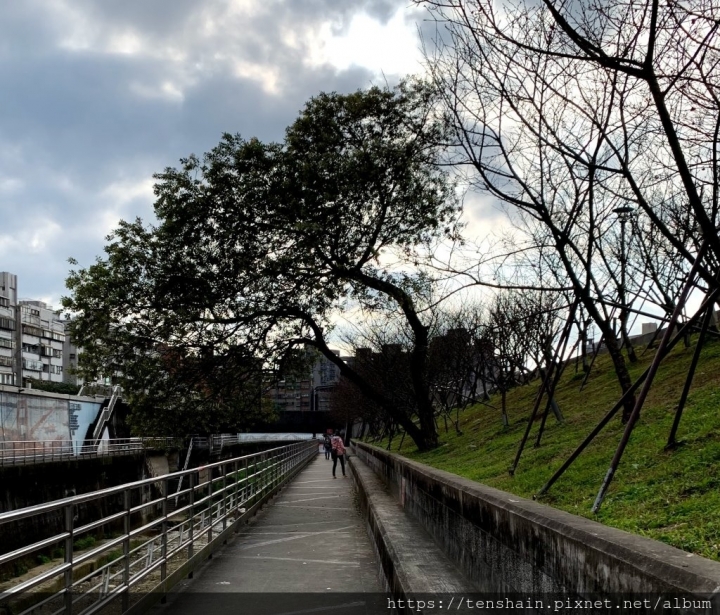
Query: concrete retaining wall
column 506, row 543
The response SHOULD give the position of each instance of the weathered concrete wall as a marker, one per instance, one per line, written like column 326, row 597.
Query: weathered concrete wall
column 505, row 543
column 402, row 547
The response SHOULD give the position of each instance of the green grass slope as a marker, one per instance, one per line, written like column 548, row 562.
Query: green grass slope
column 670, row 496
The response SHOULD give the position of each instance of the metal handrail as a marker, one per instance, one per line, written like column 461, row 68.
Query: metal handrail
column 26, row 452
column 158, row 542
column 106, row 414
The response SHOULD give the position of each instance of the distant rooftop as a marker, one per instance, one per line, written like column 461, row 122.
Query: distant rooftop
column 32, row 302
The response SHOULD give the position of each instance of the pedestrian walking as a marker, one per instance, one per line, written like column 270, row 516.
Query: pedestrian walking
column 328, row 446
column 338, row 453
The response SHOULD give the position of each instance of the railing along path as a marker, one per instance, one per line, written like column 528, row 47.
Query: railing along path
column 149, row 535
column 25, row 452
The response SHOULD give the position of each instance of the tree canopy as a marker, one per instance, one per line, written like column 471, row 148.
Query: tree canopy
column 259, row 245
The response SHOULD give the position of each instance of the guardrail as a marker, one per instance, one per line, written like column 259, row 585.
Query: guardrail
column 150, row 537
column 26, row 452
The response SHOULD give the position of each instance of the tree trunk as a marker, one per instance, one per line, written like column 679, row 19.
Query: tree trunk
column 621, row 370
column 503, row 396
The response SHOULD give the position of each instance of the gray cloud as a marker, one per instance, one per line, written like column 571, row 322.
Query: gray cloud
column 99, row 95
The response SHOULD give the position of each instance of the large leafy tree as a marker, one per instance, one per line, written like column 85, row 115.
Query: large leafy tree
column 259, row 245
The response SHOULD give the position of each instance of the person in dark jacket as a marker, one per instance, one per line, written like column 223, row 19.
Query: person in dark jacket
column 338, row 452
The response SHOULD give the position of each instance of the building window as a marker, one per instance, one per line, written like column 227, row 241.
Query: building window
column 6, row 379
column 4, row 302
column 35, row 366
column 57, row 353
column 7, row 323
column 6, row 343
column 30, row 330
column 6, row 361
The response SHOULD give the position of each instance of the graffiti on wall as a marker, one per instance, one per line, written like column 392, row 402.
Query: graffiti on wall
column 34, row 417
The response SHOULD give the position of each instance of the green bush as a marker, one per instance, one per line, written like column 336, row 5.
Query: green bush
column 84, row 543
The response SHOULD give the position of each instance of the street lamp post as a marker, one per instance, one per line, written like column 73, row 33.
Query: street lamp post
column 623, row 214
column 315, row 395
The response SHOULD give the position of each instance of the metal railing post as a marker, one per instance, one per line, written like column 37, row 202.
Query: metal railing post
column 126, row 549
column 237, row 487
column 191, row 529
column 68, row 580
column 246, row 480
column 224, row 498
column 164, row 540
column 266, row 473
column 210, row 506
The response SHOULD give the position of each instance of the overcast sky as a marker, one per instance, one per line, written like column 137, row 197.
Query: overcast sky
column 98, row 95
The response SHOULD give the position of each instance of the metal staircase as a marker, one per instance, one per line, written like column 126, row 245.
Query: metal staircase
column 185, row 467
column 106, row 414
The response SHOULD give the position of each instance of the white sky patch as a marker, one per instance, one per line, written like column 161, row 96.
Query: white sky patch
column 73, row 23
column 392, row 48
column 125, row 43
column 120, row 201
column 167, row 90
column 483, row 217
column 32, row 241
column 122, row 192
column 9, row 185
column 266, row 76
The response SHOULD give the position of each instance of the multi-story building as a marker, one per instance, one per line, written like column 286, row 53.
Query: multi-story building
column 309, row 391
column 9, row 354
column 70, row 359
column 324, row 378
column 43, row 334
column 292, row 394
column 32, row 337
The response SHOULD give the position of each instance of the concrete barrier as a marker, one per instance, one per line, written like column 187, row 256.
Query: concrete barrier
column 505, row 543
column 402, row 546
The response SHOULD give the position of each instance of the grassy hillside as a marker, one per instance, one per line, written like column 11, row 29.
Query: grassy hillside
column 669, row 496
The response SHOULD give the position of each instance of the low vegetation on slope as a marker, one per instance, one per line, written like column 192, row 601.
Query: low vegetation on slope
column 671, row 496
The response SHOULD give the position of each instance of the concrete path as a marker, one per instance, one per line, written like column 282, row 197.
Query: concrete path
column 309, row 540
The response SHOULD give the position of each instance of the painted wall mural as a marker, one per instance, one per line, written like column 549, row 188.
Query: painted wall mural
column 33, row 417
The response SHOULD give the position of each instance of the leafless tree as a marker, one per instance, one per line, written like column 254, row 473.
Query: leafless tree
column 571, row 112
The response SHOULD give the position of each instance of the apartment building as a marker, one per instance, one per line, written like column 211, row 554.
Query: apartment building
column 325, row 377
column 43, row 334
column 31, row 337
column 309, row 391
column 70, row 359
column 292, row 394
column 8, row 326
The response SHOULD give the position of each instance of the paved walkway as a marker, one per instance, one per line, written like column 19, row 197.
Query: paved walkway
column 309, row 540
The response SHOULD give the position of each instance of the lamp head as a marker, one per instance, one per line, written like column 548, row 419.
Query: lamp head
column 623, row 212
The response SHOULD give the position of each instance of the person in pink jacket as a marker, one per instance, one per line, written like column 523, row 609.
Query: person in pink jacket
column 338, row 452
